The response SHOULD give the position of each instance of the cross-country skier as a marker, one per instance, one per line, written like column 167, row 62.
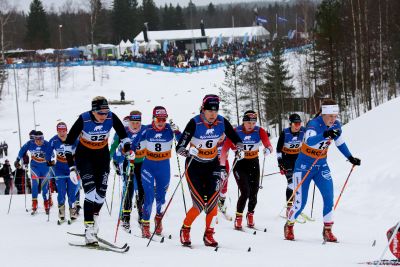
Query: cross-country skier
column 203, row 174
column 247, row 170
column 319, row 133
column 158, row 138
column 92, row 159
column 40, row 151
column 287, row 150
column 61, row 171
column 134, row 129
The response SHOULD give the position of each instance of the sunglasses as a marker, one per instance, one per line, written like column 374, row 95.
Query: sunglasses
column 38, row 138
column 160, row 119
column 252, row 115
column 102, row 113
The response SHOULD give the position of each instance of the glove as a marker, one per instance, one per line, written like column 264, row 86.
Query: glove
column 127, row 147
column 281, row 166
column 116, row 167
column 183, row 152
column 193, row 151
column 332, row 133
column 51, row 163
column 73, row 175
column 174, row 127
column 130, row 155
column 239, row 151
column 17, row 164
column 224, row 174
column 268, row 150
column 354, row 161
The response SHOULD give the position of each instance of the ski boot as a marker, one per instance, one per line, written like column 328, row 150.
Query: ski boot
column 208, row 238
column 72, row 214
column 221, row 205
column 146, row 229
column 158, row 224
column 61, row 213
column 250, row 219
column 185, row 235
column 90, row 235
column 238, row 221
column 126, row 218
column 288, row 231
column 47, row 206
column 327, row 233
column 34, row 205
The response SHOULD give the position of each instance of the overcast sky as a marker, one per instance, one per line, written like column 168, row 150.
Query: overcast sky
column 24, row 4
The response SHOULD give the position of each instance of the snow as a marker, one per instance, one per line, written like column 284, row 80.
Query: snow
column 369, row 205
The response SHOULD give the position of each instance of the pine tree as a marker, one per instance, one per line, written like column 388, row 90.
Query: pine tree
column 277, row 92
column 211, row 10
column 37, row 35
column 151, row 15
column 179, row 19
column 125, row 19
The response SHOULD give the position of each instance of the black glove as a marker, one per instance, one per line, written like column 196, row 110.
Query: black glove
column 127, row 147
column 183, row 152
column 17, row 164
column 332, row 133
column 354, row 161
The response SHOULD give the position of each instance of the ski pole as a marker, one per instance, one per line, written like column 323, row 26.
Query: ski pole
column 396, row 230
column 48, row 215
column 306, row 175
column 112, row 194
column 11, row 193
column 344, row 186
column 269, row 174
column 179, row 169
column 312, row 203
column 25, row 174
column 125, row 191
column 170, row 200
column 262, row 173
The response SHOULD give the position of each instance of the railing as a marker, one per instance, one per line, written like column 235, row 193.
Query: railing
column 132, row 64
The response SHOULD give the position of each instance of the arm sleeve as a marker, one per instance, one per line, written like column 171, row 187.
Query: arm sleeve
column 71, row 138
column 264, row 138
column 341, row 145
column 114, row 145
column 312, row 138
column 231, row 133
column 279, row 146
column 119, row 128
column 186, row 135
column 224, row 151
column 23, row 150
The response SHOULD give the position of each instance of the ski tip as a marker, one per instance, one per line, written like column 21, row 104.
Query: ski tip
column 374, row 243
column 170, row 237
column 162, row 240
column 216, row 249
column 255, row 232
column 265, row 230
column 249, row 249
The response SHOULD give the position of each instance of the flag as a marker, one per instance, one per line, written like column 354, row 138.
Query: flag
column 230, row 40
column 220, row 40
column 213, row 40
column 262, row 20
column 282, row 19
column 300, row 19
column 289, row 34
column 251, row 37
column 292, row 35
column 165, row 46
column 245, row 37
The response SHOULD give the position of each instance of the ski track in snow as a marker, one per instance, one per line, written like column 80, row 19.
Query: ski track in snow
column 369, row 205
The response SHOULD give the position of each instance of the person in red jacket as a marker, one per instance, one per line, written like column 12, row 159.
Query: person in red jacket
column 247, row 170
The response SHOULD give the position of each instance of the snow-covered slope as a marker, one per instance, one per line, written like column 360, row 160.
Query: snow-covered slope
column 368, row 207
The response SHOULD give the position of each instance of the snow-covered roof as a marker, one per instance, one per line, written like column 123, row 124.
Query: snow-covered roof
column 210, row 33
column 45, row 51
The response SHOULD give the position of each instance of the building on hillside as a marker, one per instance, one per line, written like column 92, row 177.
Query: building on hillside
column 184, row 39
